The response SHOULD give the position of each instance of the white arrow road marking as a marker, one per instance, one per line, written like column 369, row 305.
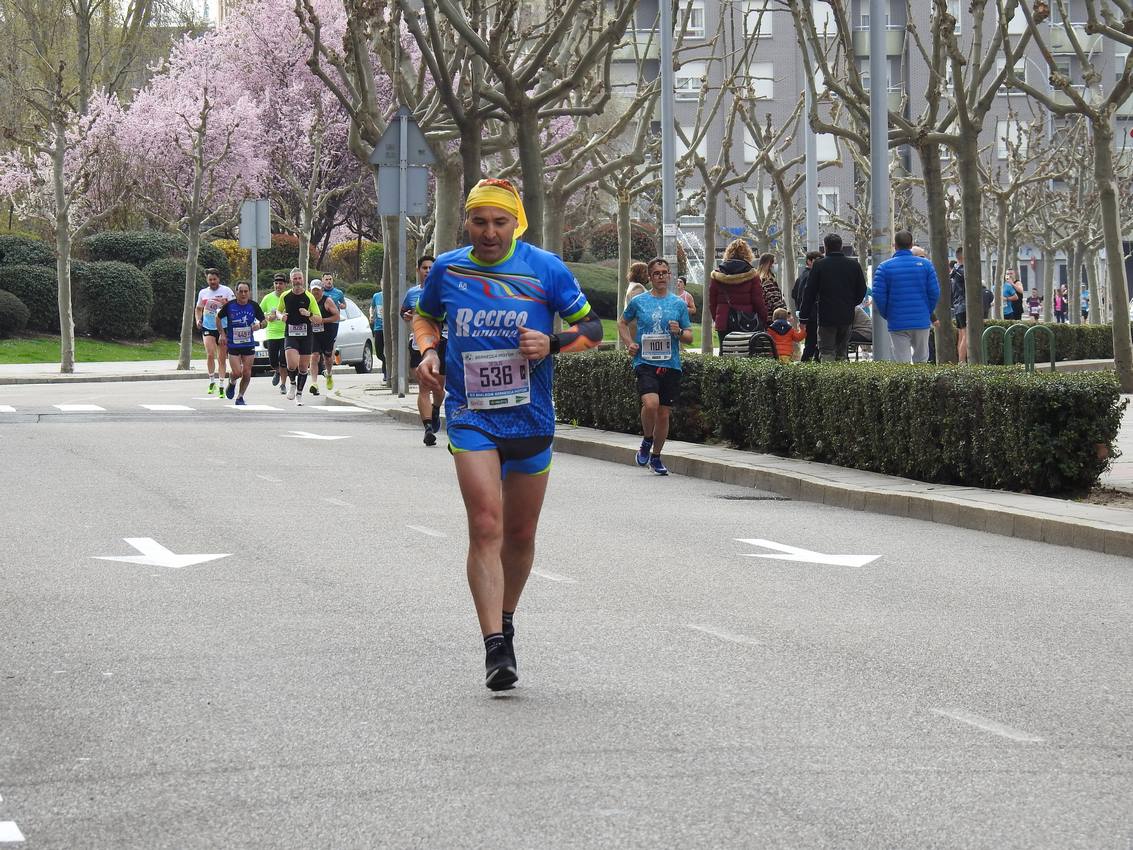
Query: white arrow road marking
column 7, row 408
column 164, row 407
column 723, row 635
column 80, row 408
column 553, row 577
column 268, row 478
column 794, row 553
column 989, row 726
column 10, row 833
column 338, row 502
column 430, row 532
column 307, row 435
column 156, row 555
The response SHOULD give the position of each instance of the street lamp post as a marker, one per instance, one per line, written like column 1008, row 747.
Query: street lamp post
column 879, row 159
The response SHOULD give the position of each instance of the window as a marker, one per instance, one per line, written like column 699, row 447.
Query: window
column 826, row 147
column 751, row 152
column 701, row 148
column 824, row 21
column 1119, row 60
column 688, row 79
column 827, row 204
column 761, row 80
column 1018, row 23
column 757, row 19
column 1062, row 66
column 1008, row 135
column 695, row 26
column 1020, row 72
column 954, row 10
column 757, row 204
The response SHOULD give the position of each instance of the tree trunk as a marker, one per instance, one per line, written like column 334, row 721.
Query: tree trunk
column 1074, row 277
column 1048, row 283
column 1095, row 283
column 185, row 353
column 305, row 227
column 82, row 24
column 63, row 251
column 530, row 149
column 1114, row 256
column 937, row 214
column 470, row 153
column 625, row 254
column 448, row 204
column 711, row 196
column 791, row 260
column 967, row 157
column 553, row 216
column 1002, row 248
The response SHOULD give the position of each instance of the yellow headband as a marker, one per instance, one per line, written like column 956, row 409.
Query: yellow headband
column 488, row 193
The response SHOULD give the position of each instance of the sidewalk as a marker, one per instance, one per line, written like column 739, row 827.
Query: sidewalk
column 125, row 370
column 1083, row 526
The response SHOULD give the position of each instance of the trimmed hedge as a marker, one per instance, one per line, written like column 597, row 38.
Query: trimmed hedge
column 139, row 248
column 1071, row 342
column 264, row 279
column 361, row 293
column 976, row 426
column 167, row 280
column 342, row 259
column 37, row 288
column 23, row 251
column 373, row 255
column 115, row 300
column 600, row 285
column 13, row 314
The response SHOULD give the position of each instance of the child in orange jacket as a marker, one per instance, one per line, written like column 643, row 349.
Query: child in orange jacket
column 783, row 335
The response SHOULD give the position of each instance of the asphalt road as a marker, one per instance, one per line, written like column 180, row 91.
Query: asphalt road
column 321, row 684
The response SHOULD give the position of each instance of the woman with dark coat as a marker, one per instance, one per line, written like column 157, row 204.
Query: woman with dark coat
column 735, row 286
column 772, row 294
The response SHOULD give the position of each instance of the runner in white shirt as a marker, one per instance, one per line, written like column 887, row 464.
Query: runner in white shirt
column 209, row 301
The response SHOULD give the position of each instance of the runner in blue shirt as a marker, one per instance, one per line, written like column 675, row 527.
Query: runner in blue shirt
column 652, row 327
column 242, row 317
column 332, row 291
column 428, row 403
column 498, row 299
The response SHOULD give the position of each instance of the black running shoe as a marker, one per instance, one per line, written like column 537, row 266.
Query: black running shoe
column 437, row 422
column 500, row 665
column 430, row 437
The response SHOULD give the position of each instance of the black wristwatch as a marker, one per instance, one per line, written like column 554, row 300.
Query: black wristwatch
column 556, row 343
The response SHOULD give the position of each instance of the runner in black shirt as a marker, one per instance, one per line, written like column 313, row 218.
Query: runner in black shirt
column 323, row 337
column 299, row 313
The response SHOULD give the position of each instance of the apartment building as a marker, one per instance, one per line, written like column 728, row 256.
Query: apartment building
column 776, row 82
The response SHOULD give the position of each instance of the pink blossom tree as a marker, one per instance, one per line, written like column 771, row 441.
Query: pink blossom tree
column 198, row 142
column 70, row 175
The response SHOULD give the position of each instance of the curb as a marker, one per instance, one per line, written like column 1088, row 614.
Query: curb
column 1043, row 518
column 102, row 379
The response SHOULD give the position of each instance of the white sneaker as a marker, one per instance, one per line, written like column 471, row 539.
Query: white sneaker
column 299, row 400
column 290, row 391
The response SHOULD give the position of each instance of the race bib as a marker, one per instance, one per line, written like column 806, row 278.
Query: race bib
column 296, row 330
column 317, row 328
column 494, row 379
column 242, row 336
column 656, row 346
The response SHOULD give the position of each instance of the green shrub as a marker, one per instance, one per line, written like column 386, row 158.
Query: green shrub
column 1071, row 342
column 37, row 288
column 975, row 426
column 342, row 259
column 264, row 279
column 284, row 253
column 573, row 246
column 139, row 248
column 167, row 280
column 603, row 241
column 361, row 293
column 115, row 300
column 13, row 314
column 373, row 256
column 600, row 285
column 24, row 251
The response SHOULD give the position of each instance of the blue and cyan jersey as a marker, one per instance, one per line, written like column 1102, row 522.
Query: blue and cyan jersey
column 653, row 315
column 240, row 318
column 376, row 303
column 483, row 306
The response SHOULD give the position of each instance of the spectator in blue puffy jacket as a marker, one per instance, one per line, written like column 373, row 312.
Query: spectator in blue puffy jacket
column 905, row 292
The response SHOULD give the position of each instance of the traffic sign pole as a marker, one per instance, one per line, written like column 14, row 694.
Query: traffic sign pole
column 402, row 192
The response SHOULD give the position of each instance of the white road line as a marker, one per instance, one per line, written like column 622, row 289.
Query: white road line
column 428, row 531
column 251, row 407
column 80, row 408
column 723, row 635
column 553, row 577
column 269, row 479
column 206, row 398
column 10, row 833
column 340, row 408
column 7, row 408
column 989, row 725
column 338, row 502
column 164, row 407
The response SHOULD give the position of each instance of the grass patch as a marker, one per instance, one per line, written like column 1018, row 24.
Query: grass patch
column 610, row 334
column 46, row 349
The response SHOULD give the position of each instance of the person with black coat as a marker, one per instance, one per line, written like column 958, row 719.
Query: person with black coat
column 835, row 286
column 810, row 345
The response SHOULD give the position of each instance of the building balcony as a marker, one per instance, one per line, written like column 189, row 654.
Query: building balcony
column 1059, row 42
column 638, row 43
column 894, row 42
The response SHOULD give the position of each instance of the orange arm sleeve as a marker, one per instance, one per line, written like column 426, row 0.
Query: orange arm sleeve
column 426, row 332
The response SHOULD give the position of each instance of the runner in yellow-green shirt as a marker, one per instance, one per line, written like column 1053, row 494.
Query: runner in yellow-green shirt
column 273, row 340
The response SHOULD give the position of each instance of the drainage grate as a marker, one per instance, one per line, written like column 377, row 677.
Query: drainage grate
column 758, row 496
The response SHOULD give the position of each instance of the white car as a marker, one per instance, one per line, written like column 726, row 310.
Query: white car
column 354, row 344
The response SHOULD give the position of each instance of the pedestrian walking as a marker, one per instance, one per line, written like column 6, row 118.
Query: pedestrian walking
column 1060, row 305
column 956, row 284
column 798, row 292
column 836, row 286
column 377, row 324
column 905, row 292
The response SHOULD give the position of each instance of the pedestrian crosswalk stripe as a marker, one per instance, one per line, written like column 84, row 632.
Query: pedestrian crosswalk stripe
column 7, row 408
column 80, row 408
column 251, row 407
column 164, row 407
column 10, row 833
column 341, row 408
